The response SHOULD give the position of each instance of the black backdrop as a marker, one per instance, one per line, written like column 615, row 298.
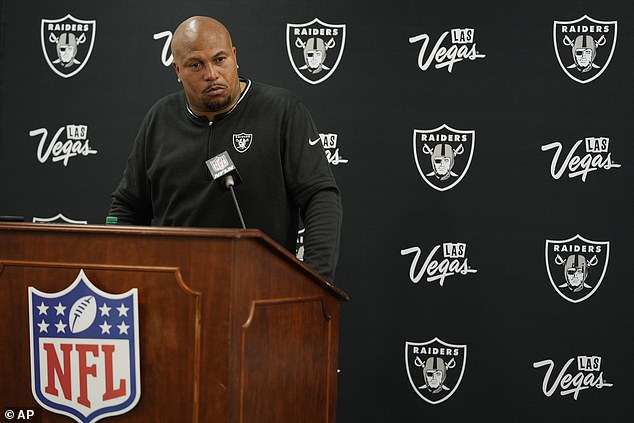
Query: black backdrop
column 504, row 222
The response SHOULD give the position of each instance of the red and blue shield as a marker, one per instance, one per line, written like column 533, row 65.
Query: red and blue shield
column 85, row 350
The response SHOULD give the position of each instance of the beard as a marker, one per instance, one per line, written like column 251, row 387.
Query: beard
column 218, row 105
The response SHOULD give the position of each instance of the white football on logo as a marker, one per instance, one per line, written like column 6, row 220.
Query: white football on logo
column 82, row 314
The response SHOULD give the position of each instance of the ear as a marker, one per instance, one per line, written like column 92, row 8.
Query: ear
column 235, row 56
column 176, row 69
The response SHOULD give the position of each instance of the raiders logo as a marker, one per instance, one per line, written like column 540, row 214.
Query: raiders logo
column 576, row 266
column 67, row 44
column 435, row 368
column 584, row 47
column 242, row 142
column 315, row 49
column 443, row 155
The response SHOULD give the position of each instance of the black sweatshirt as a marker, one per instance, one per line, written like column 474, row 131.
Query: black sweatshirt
column 277, row 151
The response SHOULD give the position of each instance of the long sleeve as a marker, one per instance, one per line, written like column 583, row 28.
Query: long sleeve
column 322, row 221
column 130, row 201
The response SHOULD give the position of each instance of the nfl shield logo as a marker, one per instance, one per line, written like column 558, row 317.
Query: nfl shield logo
column 435, row 368
column 576, row 266
column 84, row 351
column 315, row 49
column 443, row 155
column 67, row 44
column 584, row 47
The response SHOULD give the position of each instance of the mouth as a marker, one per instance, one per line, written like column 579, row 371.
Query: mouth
column 214, row 89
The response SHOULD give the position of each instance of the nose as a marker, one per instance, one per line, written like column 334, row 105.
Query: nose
column 211, row 73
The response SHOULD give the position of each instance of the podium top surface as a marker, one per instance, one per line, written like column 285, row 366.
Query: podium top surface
column 160, row 231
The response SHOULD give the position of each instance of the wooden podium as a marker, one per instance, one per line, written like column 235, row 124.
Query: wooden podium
column 232, row 327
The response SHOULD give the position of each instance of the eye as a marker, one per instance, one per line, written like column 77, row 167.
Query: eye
column 220, row 59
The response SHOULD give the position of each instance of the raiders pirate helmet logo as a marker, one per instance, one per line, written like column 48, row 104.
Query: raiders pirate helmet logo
column 443, row 155
column 315, row 49
column 584, row 47
column 67, row 44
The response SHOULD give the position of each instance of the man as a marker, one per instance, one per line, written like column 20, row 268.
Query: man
column 269, row 135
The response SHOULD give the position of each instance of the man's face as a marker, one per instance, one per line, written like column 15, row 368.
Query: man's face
column 206, row 65
column 583, row 57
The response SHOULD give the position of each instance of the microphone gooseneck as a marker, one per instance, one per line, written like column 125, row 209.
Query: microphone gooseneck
column 229, row 183
column 222, row 167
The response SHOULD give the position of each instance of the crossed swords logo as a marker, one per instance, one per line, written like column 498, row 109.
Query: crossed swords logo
column 598, row 43
column 327, row 46
column 55, row 40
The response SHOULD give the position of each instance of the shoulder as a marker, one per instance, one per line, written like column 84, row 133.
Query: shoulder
column 165, row 108
column 270, row 93
column 169, row 102
column 166, row 112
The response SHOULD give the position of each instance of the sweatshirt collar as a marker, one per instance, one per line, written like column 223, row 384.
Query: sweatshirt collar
column 203, row 119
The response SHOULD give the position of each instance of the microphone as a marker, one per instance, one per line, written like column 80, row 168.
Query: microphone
column 222, row 167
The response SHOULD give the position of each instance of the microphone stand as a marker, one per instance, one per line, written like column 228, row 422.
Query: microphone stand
column 229, row 183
